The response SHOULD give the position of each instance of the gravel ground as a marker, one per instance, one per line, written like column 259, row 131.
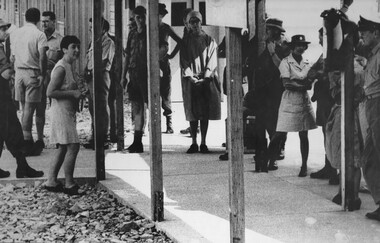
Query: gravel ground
column 31, row 214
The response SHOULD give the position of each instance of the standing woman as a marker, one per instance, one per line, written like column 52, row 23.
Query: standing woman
column 295, row 113
column 65, row 94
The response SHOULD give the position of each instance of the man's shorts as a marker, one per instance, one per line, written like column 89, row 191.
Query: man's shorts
column 27, row 86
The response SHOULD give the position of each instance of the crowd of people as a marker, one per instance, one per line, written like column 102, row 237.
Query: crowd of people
column 36, row 65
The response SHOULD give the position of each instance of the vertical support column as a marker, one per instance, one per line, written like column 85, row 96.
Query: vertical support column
column 97, row 79
column 235, row 134
column 257, row 13
column 347, row 120
column 261, row 27
column 118, row 61
column 155, row 143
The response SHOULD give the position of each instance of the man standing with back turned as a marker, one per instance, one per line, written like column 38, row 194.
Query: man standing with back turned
column 29, row 46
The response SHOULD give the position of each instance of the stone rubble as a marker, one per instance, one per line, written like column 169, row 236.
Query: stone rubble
column 31, row 214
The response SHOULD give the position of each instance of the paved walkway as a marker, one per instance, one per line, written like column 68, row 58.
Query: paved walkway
column 280, row 207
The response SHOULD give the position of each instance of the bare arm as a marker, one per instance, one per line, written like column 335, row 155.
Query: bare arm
column 43, row 60
column 54, row 87
column 296, row 85
column 174, row 52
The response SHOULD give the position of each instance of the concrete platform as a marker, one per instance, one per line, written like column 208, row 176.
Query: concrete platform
column 279, row 206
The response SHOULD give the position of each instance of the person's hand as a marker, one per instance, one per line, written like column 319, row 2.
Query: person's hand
column 7, row 74
column 124, row 82
column 200, row 81
column 361, row 60
column 40, row 80
column 271, row 48
column 77, row 94
column 193, row 80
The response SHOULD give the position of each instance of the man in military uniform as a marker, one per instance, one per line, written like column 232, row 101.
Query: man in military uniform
column 10, row 127
column 268, row 90
column 370, row 32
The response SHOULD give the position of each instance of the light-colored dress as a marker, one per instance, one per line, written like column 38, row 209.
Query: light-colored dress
column 295, row 113
column 63, row 111
column 199, row 59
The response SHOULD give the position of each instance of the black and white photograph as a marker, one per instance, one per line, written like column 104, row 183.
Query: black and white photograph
column 190, row 121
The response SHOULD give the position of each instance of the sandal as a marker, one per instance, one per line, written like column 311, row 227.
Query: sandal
column 56, row 188
column 72, row 191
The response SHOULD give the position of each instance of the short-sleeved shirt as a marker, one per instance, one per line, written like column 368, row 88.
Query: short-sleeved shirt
column 53, row 54
column 108, row 53
column 25, row 44
column 290, row 68
column 136, row 50
column 371, row 74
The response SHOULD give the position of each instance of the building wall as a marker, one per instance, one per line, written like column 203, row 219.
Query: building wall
column 73, row 19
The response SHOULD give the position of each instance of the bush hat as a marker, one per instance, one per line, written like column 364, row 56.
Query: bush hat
column 298, row 39
column 139, row 10
column 275, row 23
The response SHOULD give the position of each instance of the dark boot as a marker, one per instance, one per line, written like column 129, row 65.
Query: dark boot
column 25, row 171
column 224, row 156
column 169, row 125
column 136, row 146
column 4, row 173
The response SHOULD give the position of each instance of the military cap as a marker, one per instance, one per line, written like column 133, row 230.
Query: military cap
column 366, row 24
column 298, row 39
column 275, row 23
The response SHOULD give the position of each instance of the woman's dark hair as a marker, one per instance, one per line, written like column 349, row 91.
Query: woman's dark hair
column 33, row 15
column 67, row 40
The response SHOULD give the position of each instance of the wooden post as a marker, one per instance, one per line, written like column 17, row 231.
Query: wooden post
column 260, row 30
column 118, row 61
column 261, row 27
column 348, row 123
column 97, row 79
column 235, row 134
column 157, row 195
column 343, row 143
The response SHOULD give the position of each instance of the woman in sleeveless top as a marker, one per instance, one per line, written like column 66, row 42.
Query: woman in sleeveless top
column 64, row 92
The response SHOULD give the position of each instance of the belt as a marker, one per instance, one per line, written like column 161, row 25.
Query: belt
column 25, row 68
column 372, row 96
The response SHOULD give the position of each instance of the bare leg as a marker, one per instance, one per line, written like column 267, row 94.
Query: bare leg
column 357, row 178
column 193, row 131
column 40, row 119
column 27, row 120
column 69, row 164
column 304, row 145
column 59, row 157
column 204, row 129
